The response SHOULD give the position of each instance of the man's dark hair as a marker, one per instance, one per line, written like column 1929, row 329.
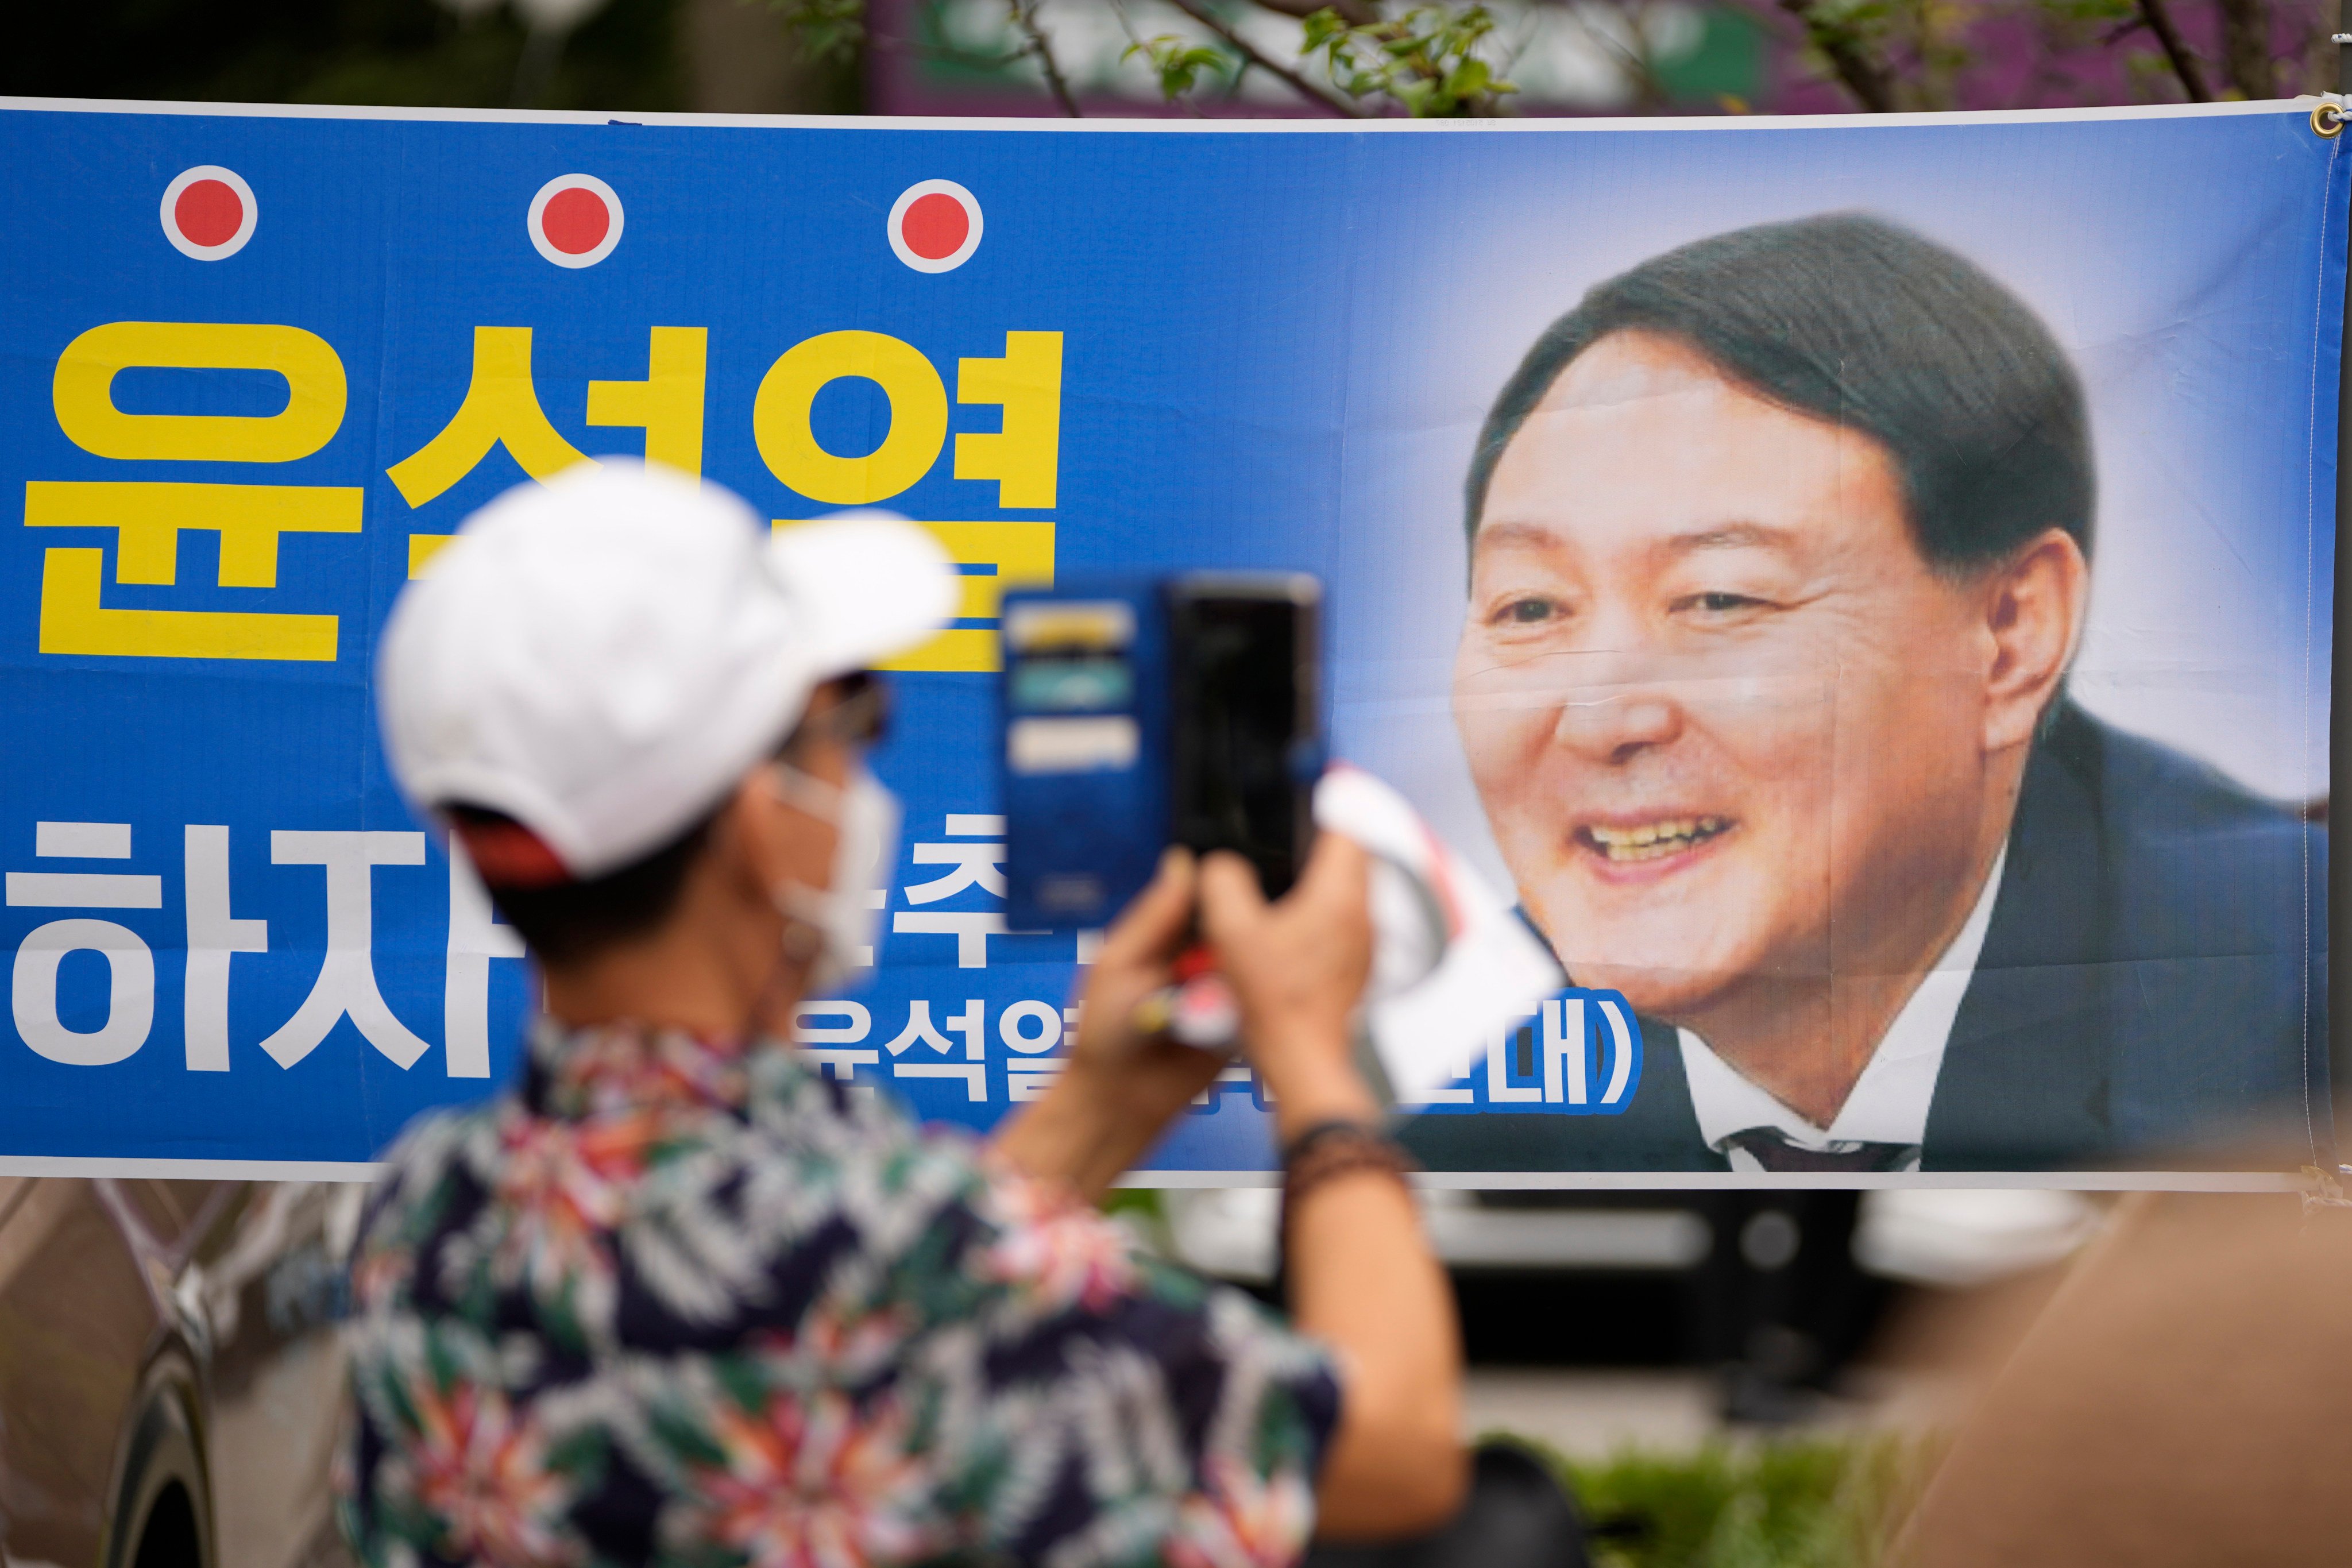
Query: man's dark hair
column 567, row 920
column 1854, row 320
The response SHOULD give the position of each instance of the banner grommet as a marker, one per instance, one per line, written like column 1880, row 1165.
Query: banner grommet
column 2327, row 119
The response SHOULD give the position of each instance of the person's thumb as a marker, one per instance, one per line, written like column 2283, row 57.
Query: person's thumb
column 1232, row 904
column 1154, row 921
column 1337, row 878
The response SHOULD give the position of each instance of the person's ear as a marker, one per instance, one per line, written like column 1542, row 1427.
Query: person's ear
column 756, row 833
column 783, row 838
column 2034, row 607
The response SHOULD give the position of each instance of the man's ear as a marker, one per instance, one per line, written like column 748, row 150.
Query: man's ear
column 778, row 839
column 753, row 833
column 2034, row 605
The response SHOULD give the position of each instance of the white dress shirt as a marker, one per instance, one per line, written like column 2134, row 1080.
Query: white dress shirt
column 1890, row 1100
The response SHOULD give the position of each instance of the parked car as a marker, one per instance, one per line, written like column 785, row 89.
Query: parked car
column 169, row 1375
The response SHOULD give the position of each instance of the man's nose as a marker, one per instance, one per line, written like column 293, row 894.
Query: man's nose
column 1613, row 724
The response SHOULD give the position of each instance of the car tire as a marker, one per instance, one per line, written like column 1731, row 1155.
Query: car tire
column 162, row 1516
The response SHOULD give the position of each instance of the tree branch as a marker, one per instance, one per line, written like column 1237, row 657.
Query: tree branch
column 1298, row 82
column 1024, row 15
column 1641, row 71
column 2246, row 45
column 2184, row 64
column 1355, row 13
column 1864, row 77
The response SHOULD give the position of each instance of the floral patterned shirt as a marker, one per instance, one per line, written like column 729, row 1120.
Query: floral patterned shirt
column 678, row 1303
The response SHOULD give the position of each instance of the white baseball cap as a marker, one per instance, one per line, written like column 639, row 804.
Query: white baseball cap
column 601, row 658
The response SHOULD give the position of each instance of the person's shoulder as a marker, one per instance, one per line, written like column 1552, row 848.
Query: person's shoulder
column 430, row 1179
column 856, row 1148
column 1040, row 1253
column 433, row 1137
column 1030, row 1264
column 431, row 1151
column 2153, row 791
column 2202, row 914
column 1144, row 1403
column 2188, row 851
column 2157, row 849
column 812, row 1163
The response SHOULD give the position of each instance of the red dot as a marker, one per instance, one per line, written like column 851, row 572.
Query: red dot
column 208, row 214
column 935, row 227
column 574, row 221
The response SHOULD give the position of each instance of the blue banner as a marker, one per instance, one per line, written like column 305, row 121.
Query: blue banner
column 260, row 364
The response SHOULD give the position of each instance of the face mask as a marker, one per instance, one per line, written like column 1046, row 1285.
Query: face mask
column 865, row 818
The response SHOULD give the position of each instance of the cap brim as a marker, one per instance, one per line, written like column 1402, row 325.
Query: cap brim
column 870, row 585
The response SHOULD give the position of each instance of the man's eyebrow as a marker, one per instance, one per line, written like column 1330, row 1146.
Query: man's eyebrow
column 1530, row 533
column 1730, row 536
column 1727, row 536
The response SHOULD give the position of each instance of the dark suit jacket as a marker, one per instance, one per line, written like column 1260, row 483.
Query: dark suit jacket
column 2154, row 977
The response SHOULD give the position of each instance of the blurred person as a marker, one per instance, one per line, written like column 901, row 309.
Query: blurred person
column 2179, row 1403
column 675, row 1297
column 1780, row 549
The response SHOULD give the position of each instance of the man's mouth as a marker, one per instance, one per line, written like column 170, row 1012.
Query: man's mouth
column 1652, row 840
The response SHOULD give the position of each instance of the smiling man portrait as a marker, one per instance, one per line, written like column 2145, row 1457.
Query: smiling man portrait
column 1780, row 551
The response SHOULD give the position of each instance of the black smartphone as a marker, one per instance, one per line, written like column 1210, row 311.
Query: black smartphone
column 1244, row 648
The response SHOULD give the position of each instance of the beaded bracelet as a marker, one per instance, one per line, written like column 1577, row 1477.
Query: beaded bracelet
column 1336, row 1149
column 1323, row 1153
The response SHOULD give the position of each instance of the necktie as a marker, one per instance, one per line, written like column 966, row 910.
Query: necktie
column 1775, row 1152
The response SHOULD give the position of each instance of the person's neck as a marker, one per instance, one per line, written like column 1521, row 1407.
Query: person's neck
column 678, row 978
column 1807, row 1040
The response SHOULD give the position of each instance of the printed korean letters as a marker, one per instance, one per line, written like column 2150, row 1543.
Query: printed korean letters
column 131, row 963
column 979, row 1014
column 344, row 985
column 146, row 517
column 973, row 849
column 119, row 539
column 1023, row 457
column 501, row 408
column 1576, row 1054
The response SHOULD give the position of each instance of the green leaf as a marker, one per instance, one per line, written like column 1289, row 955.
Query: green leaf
column 825, row 31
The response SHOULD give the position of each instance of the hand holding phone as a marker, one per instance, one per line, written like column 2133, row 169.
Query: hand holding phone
column 1143, row 713
column 1297, row 967
column 1242, row 656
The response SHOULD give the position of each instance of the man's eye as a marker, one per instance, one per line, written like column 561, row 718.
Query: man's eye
column 1721, row 603
column 1527, row 612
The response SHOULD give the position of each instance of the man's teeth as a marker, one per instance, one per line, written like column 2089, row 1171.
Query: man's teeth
column 1651, row 839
